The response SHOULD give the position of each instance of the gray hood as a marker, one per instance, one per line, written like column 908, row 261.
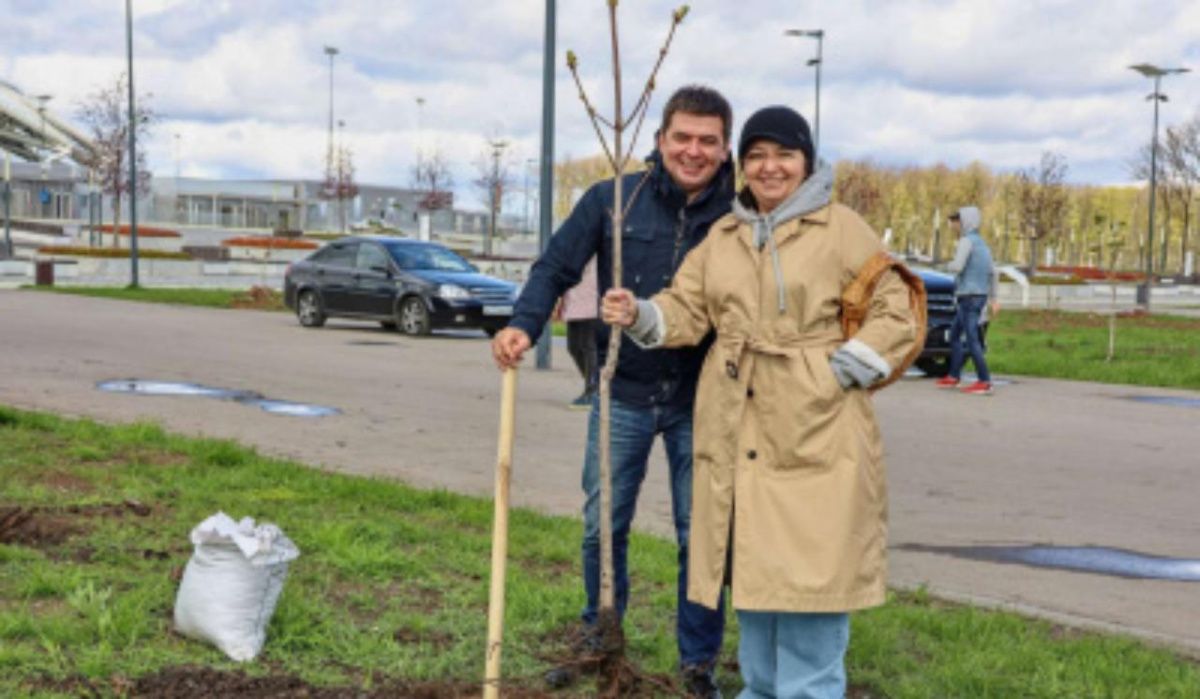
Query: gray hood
column 812, row 194
column 970, row 218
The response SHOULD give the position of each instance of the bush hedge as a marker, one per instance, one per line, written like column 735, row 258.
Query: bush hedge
column 273, row 243
column 82, row 251
column 143, row 231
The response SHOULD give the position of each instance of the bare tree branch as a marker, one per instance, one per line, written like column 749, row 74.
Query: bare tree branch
column 643, row 103
column 636, row 190
column 593, row 115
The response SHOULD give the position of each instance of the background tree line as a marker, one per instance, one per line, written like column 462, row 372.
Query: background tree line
column 1031, row 216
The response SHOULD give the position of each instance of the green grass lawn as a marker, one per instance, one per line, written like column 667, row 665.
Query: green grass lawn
column 259, row 298
column 391, row 585
column 1156, row 350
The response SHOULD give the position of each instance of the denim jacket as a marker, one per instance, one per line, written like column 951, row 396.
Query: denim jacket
column 660, row 228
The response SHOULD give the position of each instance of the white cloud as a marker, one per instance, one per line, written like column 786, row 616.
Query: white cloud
column 904, row 81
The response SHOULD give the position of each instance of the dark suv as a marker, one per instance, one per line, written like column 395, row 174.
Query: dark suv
column 412, row 285
column 939, row 288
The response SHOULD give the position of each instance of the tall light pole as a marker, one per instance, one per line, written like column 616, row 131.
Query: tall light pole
column 330, row 51
column 41, row 110
column 528, row 163
column 1150, row 71
column 8, row 246
column 546, row 175
column 420, row 131
column 133, row 127
column 179, row 217
column 819, row 35
column 340, row 175
column 497, row 146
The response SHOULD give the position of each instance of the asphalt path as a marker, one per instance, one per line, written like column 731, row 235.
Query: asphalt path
column 1040, row 462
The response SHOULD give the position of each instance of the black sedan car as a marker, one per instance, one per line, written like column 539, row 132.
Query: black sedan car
column 411, row 285
column 940, row 306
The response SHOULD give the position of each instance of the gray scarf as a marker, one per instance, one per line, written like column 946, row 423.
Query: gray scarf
column 812, row 194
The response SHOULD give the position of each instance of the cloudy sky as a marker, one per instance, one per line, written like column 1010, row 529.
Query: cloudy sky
column 244, row 83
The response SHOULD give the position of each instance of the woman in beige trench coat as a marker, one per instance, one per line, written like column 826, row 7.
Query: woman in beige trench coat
column 789, row 488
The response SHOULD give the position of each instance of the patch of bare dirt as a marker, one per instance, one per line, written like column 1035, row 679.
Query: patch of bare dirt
column 49, row 527
column 437, row 639
column 262, row 298
column 199, row 682
column 65, row 482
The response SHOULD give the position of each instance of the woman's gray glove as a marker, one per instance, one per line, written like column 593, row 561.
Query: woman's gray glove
column 851, row 371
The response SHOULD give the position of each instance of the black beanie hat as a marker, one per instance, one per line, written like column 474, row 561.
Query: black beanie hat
column 780, row 124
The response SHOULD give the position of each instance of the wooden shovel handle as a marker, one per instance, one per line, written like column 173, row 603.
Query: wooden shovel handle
column 491, row 677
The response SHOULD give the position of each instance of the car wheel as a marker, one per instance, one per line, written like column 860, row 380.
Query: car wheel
column 937, row 367
column 413, row 317
column 308, row 310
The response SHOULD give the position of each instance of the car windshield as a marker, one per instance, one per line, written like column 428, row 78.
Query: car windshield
column 428, row 257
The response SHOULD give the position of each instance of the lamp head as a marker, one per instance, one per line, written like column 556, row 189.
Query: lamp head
column 1153, row 71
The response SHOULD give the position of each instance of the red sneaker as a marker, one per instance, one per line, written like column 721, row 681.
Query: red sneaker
column 979, row 388
column 946, row 382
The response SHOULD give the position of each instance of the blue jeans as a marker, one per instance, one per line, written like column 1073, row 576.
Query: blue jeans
column 788, row 655
column 966, row 322
column 698, row 629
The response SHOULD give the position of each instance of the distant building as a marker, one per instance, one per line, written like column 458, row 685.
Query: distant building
column 59, row 191
column 295, row 204
column 52, row 191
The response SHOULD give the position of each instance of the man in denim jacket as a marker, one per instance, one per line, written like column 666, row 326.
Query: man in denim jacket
column 688, row 186
column 975, row 282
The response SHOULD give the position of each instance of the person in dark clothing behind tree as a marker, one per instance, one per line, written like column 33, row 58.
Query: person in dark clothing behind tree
column 580, row 309
column 688, row 185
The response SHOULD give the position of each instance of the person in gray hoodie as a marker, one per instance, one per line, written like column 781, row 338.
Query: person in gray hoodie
column 975, row 282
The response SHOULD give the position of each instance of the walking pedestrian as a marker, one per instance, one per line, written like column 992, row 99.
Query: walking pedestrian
column 975, row 282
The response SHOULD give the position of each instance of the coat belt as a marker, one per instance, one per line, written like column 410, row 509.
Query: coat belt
column 739, row 344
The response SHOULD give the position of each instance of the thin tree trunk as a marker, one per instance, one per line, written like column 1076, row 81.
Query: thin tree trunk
column 1183, row 237
column 607, row 597
column 116, row 231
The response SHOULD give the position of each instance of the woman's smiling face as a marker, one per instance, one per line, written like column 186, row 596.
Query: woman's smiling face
column 773, row 172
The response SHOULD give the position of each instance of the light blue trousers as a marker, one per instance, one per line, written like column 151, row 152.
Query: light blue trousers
column 788, row 655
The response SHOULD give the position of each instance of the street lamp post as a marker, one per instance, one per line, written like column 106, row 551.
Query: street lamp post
column 41, row 110
column 498, row 147
column 8, row 246
column 330, row 51
column 1151, row 71
column 133, row 126
column 420, row 131
column 528, row 162
column 340, row 183
column 819, row 35
column 546, row 174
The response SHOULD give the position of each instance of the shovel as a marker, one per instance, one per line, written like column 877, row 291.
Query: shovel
column 491, row 675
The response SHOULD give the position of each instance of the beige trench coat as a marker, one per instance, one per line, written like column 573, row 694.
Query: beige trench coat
column 788, row 466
